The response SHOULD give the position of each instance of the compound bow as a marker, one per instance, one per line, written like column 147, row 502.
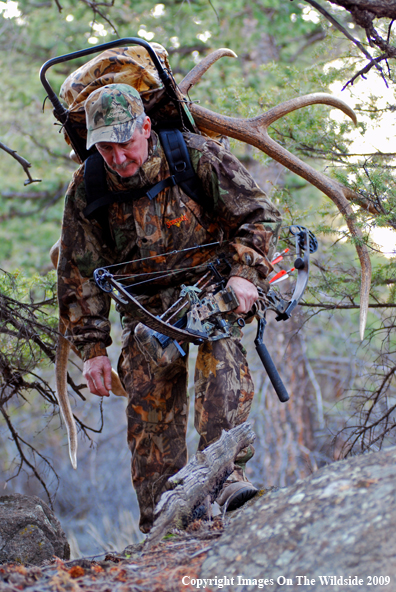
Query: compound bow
column 202, row 310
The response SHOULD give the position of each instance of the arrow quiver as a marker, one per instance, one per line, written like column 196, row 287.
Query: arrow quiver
column 204, row 319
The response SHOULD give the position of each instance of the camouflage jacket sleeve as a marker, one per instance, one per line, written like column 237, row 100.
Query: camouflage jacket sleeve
column 84, row 306
column 248, row 219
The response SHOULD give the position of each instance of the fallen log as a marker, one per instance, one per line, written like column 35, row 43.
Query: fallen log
column 199, row 482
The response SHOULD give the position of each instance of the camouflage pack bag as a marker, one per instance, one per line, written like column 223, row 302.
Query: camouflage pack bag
column 121, row 65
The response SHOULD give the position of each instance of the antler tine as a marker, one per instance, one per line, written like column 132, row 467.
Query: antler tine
column 364, row 288
column 62, row 356
column 199, row 70
column 254, row 131
column 298, row 102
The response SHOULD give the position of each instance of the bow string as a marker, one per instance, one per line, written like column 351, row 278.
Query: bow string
column 115, row 286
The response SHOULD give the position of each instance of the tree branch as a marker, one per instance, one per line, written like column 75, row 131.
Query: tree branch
column 377, row 8
column 344, row 306
column 24, row 163
column 366, row 69
column 347, row 34
column 23, row 459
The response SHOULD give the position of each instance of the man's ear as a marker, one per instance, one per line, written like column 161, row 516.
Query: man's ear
column 146, row 129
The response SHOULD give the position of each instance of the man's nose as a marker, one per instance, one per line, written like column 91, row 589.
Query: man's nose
column 118, row 155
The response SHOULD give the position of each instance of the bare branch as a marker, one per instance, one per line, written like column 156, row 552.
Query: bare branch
column 26, row 195
column 15, row 213
column 366, row 69
column 310, row 40
column 340, row 27
column 32, row 341
column 36, row 142
column 348, row 35
column 377, row 8
column 23, row 458
column 336, row 306
column 94, row 7
column 24, row 163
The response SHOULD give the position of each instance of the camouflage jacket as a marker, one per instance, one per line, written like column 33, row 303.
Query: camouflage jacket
column 239, row 216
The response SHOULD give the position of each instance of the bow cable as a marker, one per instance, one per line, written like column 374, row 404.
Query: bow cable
column 125, row 276
column 175, row 252
column 167, row 274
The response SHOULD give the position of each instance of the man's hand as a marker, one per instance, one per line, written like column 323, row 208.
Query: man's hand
column 97, row 372
column 245, row 291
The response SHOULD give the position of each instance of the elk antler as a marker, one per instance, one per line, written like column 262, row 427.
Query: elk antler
column 62, row 356
column 199, row 70
column 254, row 131
column 61, row 359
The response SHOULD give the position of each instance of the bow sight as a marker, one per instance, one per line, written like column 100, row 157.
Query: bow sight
column 202, row 311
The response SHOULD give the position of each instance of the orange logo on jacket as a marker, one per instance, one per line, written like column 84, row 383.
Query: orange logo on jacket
column 176, row 221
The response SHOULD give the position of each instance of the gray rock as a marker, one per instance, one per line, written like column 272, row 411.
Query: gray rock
column 337, row 524
column 29, row 531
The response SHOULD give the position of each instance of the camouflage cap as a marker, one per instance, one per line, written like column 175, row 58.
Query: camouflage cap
column 112, row 112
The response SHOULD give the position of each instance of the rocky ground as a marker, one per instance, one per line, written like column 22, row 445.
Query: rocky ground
column 333, row 531
column 159, row 569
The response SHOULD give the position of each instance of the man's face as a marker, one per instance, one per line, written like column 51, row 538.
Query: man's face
column 126, row 158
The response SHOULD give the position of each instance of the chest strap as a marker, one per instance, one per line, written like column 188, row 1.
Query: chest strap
column 181, row 169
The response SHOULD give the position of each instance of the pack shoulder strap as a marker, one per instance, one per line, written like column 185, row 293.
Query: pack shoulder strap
column 97, row 192
column 181, row 169
column 180, row 166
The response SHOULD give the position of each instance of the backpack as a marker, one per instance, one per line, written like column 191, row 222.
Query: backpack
column 133, row 66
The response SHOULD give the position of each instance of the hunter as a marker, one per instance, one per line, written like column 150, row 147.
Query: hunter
column 236, row 213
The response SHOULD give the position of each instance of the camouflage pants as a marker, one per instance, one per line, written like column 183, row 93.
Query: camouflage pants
column 157, row 410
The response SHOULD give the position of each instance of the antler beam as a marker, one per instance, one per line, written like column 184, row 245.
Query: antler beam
column 254, row 131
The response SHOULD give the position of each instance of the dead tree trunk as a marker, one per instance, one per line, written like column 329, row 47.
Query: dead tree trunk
column 203, row 476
